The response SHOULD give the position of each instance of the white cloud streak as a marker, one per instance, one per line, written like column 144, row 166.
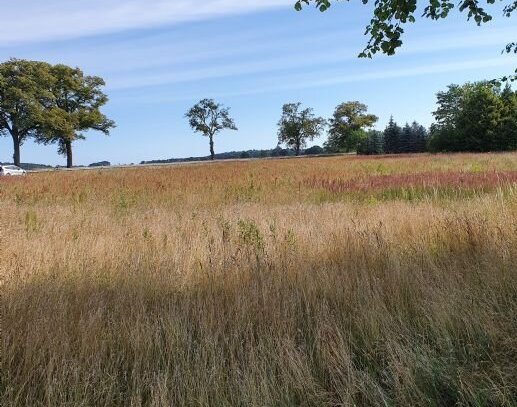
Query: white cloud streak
column 296, row 59
column 322, row 79
column 26, row 21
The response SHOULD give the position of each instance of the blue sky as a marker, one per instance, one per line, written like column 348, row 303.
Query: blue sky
column 158, row 58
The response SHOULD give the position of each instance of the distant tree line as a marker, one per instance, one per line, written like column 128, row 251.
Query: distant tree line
column 349, row 130
column 58, row 104
column 244, row 154
column 480, row 116
column 395, row 139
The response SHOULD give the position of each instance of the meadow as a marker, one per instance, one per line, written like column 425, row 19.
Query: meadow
column 330, row 281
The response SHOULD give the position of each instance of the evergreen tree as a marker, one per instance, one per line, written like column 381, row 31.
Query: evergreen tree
column 392, row 135
column 405, row 140
column 507, row 131
column 419, row 138
column 372, row 144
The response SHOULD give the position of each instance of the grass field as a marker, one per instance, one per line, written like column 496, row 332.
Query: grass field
column 341, row 281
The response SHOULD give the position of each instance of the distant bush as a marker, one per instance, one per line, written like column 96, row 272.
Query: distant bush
column 314, row 150
column 100, row 164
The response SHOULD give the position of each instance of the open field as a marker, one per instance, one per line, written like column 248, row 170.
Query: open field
column 368, row 281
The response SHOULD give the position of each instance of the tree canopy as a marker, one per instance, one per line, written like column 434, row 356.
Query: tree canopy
column 74, row 109
column 297, row 126
column 373, row 143
column 392, row 134
column 209, row 118
column 51, row 103
column 390, row 16
column 347, row 126
column 476, row 116
column 24, row 92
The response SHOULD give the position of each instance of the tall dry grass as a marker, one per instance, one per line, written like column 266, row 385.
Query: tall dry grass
column 248, row 283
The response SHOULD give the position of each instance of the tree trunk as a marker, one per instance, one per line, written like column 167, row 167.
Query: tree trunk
column 212, row 154
column 68, row 146
column 297, row 149
column 16, row 148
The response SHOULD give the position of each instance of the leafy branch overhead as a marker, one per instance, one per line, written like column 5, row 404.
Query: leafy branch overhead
column 389, row 17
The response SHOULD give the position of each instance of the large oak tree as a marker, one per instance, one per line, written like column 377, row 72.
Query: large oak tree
column 347, row 126
column 24, row 93
column 75, row 109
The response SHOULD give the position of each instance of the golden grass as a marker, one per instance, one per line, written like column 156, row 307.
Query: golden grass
column 248, row 283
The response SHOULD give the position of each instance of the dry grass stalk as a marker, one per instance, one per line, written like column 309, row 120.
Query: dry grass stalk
column 239, row 284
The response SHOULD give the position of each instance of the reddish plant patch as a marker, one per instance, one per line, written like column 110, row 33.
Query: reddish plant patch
column 470, row 180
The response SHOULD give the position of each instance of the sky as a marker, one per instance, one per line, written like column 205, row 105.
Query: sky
column 160, row 57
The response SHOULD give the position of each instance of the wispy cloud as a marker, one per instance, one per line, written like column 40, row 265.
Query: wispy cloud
column 328, row 78
column 280, row 57
column 35, row 20
column 174, row 75
column 428, row 69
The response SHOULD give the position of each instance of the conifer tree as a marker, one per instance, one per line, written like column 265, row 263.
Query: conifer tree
column 419, row 138
column 372, row 144
column 405, row 140
column 392, row 135
column 508, row 126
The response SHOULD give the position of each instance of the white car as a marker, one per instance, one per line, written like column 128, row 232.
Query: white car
column 11, row 170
